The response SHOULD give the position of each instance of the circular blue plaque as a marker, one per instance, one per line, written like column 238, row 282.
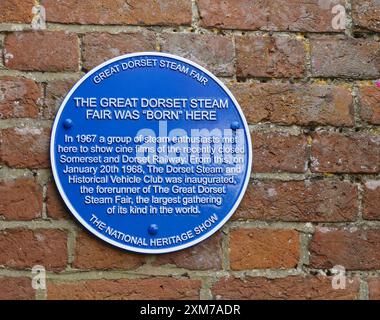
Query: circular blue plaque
column 151, row 152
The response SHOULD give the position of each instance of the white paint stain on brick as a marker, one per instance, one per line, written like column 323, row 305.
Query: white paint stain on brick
column 17, row 108
column 272, row 192
column 353, row 229
column 28, row 131
column 39, row 17
column 339, row 20
column 115, row 52
column 314, row 162
column 373, row 184
column 309, row 227
column 375, row 139
column 7, row 56
column 40, row 237
column 324, row 229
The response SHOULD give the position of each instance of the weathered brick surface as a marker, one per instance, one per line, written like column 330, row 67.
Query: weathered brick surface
column 19, row 98
column 300, row 104
column 213, row 52
column 99, row 47
column 273, row 15
column 371, row 200
column 203, row 256
column 25, row 147
column 21, row 199
column 279, row 152
column 54, row 96
column 374, row 288
column 16, row 11
column 345, row 57
column 55, row 206
column 125, row 289
column 366, row 14
column 133, row 12
column 315, row 200
column 292, row 288
column 270, row 57
column 253, row 248
column 352, row 248
column 23, row 248
column 19, row 288
column 354, row 152
column 370, row 104
column 41, row 51
column 92, row 253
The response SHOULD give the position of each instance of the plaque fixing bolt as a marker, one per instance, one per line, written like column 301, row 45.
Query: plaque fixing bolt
column 68, row 123
column 153, row 229
column 235, row 125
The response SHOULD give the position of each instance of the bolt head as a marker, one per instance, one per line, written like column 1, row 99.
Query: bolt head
column 153, row 229
column 235, row 125
column 68, row 123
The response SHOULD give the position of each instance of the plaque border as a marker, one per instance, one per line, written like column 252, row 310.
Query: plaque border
column 90, row 228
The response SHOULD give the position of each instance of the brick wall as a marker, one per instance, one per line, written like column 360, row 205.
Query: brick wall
column 308, row 93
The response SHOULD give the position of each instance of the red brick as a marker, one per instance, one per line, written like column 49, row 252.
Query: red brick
column 288, row 288
column 371, row 200
column 256, row 248
column 23, row 249
column 91, row 253
column 16, row 289
column 354, row 249
column 125, row 289
column 370, row 104
column 203, row 256
column 272, row 15
column 16, row 11
column 214, row 52
column 55, row 206
column 289, row 104
column 345, row 57
column 55, row 94
column 273, row 57
column 336, row 152
column 19, row 98
column 374, row 288
column 315, row 200
column 277, row 152
column 25, row 147
column 366, row 15
column 134, row 12
column 99, row 47
column 41, row 51
column 21, row 199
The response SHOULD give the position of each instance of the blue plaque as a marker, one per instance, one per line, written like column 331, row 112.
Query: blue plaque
column 151, row 152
